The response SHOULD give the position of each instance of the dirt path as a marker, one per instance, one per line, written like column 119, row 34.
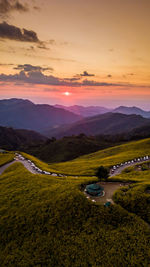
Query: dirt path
column 109, row 190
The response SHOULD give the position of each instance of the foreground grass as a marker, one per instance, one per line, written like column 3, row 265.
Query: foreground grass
column 47, row 221
column 5, row 158
column 87, row 165
column 136, row 197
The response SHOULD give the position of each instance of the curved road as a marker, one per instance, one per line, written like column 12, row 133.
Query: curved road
column 28, row 166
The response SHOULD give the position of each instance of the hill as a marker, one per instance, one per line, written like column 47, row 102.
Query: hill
column 51, row 223
column 88, row 164
column 85, row 111
column 12, row 139
column 109, row 123
column 68, row 148
column 23, row 114
column 132, row 110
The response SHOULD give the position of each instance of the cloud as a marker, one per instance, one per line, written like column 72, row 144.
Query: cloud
column 31, row 68
column 11, row 32
column 6, row 64
column 33, row 75
column 7, row 6
column 94, row 83
column 86, row 74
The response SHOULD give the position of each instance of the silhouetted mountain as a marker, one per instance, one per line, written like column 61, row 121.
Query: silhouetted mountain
column 132, row 110
column 85, row 111
column 11, row 139
column 23, row 114
column 109, row 123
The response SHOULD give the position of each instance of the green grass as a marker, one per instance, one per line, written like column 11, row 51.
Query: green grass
column 87, row 165
column 47, row 221
column 135, row 199
column 5, row 158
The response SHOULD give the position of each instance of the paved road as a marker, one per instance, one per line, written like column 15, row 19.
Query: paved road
column 24, row 162
column 4, row 167
column 28, row 166
column 121, row 168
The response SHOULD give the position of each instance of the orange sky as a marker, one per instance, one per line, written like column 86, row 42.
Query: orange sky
column 97, row 50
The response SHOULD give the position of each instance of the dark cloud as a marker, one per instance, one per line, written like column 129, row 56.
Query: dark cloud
column 11, row 32
column 37, row 77
column 7, row 6
column 94, row 83
column 31, row 68
column 86, row 74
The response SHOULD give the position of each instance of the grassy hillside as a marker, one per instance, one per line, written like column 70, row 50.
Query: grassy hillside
column 68, row 148
column 5, row 158
column 87, row 165
column 51, row 223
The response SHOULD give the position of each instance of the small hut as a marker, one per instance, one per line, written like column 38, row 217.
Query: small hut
column 94, row 190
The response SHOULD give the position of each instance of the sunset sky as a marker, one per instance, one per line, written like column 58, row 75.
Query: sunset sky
column 96, row 50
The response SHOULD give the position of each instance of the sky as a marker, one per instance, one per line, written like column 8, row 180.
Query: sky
column 85, row 52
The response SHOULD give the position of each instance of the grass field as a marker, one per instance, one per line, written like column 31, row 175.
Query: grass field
column 47, row 221
column 87, row 165
column 5, row 158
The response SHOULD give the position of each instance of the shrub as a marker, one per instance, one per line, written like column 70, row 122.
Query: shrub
column 102, row 173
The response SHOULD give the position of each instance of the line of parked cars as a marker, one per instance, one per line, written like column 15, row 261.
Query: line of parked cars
column 34, row 167
column 130, row 162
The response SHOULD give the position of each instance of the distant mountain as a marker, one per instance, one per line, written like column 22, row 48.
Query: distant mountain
column 23, row 114
column 11, row 139
column 85, row 111
column 132, row 110
column 109, row 123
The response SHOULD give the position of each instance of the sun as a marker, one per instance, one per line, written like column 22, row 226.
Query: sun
column 66, row 93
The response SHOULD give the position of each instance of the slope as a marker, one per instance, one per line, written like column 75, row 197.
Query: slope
column 51, row 223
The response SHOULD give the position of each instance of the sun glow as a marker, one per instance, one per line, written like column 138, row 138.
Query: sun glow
column 66, row 93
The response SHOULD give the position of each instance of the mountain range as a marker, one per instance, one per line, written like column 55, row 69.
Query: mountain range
column 59, row 121
column 85, row 111
column 23, row 114
column 97, row 110
column 108, row 123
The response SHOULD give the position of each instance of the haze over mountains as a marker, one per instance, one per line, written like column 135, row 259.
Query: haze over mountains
column 59, row 121
column 85, row 111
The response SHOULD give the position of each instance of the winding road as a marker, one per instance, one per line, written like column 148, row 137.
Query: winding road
column 113, row 172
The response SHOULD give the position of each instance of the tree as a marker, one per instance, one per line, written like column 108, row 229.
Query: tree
column 102, row 173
